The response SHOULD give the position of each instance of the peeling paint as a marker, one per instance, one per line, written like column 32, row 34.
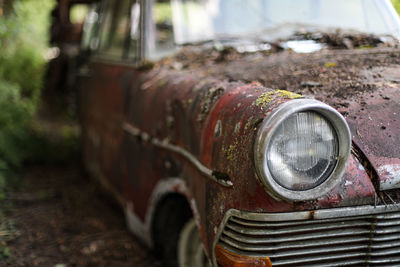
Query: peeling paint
column 237, row 127
column 211, row 95
column 348, row 183
column 361, row 167
column 218, row 129
column 392, row 173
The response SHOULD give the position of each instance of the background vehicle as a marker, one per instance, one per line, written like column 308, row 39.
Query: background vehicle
column 211, row 165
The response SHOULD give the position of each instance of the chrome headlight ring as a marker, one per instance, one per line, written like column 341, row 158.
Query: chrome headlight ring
column 265, row 139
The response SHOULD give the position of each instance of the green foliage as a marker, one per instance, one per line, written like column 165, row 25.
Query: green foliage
column 7, row 233
column 23, row 42
column 23, row 39
column 4, row 252
column 162, row 12
column 78, row 13
column 396, row 4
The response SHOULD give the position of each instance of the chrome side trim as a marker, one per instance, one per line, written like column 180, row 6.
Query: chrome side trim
column 164, row 144
column 317, row 217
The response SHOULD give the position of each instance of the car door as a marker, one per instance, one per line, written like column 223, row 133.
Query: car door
column 108, row 74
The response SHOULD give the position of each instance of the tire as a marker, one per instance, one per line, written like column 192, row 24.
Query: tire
column 171, row 217
column 190, row 248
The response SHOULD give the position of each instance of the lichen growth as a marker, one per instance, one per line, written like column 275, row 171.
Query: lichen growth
column 330, row 64
column 187, row 103
column 265, row 98
column 248, row 123
column 230, row 152
column 287, row 94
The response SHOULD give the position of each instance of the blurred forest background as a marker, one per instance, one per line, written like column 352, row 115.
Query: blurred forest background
column 24, row 43
column 24, row 53
column 24, row 139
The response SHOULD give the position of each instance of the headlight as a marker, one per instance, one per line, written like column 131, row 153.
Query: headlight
column 302, row 150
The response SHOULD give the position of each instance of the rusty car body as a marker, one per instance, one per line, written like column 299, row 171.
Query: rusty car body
column 271, row 156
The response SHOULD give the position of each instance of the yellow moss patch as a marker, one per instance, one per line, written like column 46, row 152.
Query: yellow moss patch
column 247, row 125
column 330, row 64
column 265, row 98
column 230, row 152
column 287, row 94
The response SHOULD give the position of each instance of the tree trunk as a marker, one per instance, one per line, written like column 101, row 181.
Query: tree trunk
column 6, row 7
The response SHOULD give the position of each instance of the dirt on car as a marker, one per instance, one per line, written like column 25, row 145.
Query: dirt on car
column 346, row 68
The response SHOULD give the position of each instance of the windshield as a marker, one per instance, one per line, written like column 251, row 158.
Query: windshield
column 199, row 20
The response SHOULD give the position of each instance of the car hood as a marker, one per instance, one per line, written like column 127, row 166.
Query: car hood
column 375, row 128
column 365, row 87
column 363, row 84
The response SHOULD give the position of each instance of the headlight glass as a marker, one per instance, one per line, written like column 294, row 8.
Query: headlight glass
column 303, row 151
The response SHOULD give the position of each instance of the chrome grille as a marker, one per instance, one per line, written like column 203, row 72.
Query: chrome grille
column 364, row 236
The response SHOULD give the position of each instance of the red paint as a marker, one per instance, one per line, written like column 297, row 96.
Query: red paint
column 172, row 105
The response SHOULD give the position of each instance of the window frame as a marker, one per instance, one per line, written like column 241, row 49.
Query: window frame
column 147, row 22
column 123, row 58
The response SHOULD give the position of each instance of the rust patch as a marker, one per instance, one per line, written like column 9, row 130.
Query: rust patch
column 211, row 95
column 311, row 215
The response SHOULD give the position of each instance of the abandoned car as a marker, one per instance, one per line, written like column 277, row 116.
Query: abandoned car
column 248, row 132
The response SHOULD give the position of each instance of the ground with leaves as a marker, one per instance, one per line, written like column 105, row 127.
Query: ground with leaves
column 59, row 217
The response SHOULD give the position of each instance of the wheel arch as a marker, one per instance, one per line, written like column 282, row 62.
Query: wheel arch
column 172, row 212
column 173, row 189
column 172, row 206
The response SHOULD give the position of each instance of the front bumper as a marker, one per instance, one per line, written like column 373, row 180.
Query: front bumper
column 353, row 236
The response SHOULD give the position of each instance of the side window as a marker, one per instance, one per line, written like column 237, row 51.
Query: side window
column 90, row 29
column 134, row 31
column 161, row 35
column 115, row 28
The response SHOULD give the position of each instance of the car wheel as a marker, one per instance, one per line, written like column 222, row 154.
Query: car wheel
column 191, row 251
